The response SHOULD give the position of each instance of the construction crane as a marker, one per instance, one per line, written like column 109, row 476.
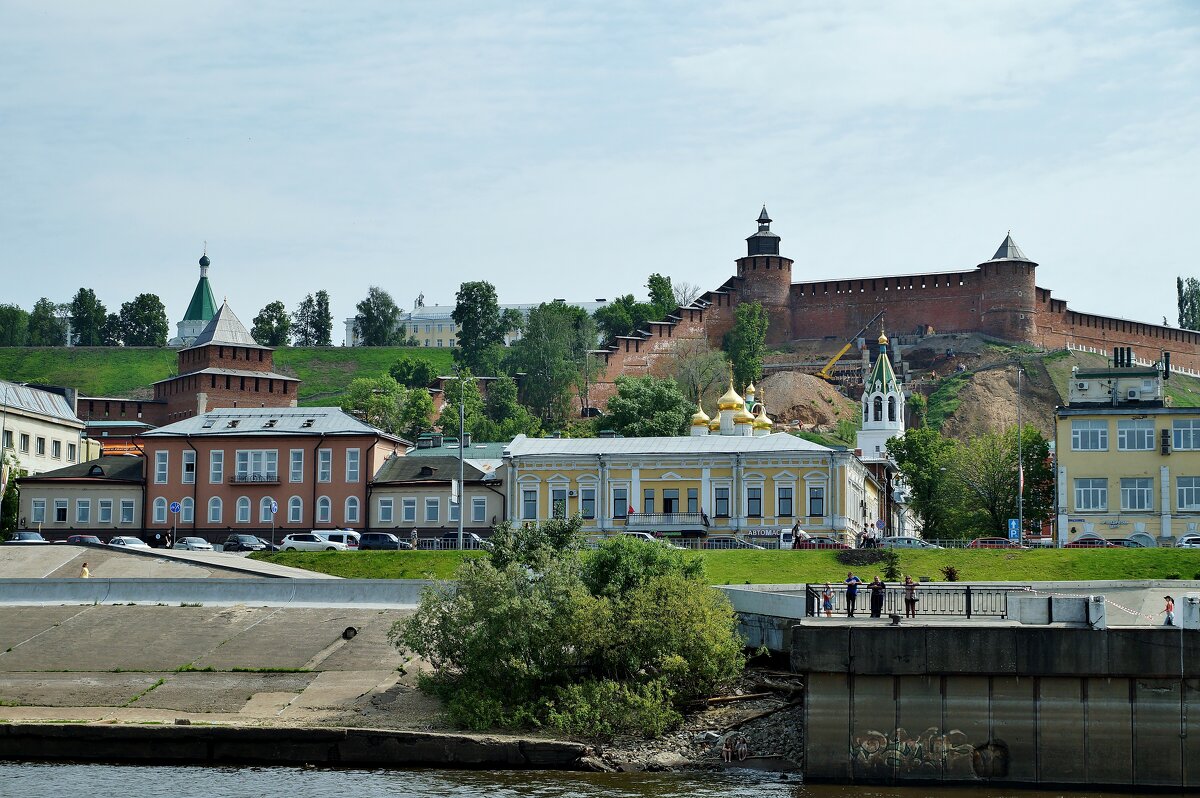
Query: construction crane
column 826, row 372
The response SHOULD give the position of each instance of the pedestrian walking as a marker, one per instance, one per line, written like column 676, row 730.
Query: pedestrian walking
column 84, row 573
column 878, row 590
column 1169, row 611
column 827, row 600
column 910, row 597
column 852, row 583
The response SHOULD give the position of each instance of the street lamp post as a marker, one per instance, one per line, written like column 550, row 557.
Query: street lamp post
column 1020, row 462
column 461, row 449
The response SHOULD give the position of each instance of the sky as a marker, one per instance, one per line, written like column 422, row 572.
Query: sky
column 568, row 150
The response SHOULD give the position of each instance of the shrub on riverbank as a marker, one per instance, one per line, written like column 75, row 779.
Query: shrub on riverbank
column 534, row 634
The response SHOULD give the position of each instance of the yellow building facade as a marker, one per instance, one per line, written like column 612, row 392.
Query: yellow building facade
column 713, row 484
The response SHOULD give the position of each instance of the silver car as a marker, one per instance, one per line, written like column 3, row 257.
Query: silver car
column 193, row 544
column 904, row 542
column 308, row 541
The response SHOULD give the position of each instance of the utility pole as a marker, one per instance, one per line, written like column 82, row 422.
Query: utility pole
column 1020, row 461
column 461, row 452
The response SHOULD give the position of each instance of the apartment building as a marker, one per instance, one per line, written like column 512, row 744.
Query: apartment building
column 39, row 428
column 99, row 497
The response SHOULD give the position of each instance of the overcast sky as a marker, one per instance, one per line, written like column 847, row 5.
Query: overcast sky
column 569, row 149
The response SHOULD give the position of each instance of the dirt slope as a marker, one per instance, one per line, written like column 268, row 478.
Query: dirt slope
column 805, row 399
column 988, row 402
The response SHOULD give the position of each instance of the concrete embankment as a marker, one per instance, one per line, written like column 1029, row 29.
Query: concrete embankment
column 381, row 593
column 291, row 746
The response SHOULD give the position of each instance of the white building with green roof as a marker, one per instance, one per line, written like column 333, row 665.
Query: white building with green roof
column 882, row 407
column 200, row 310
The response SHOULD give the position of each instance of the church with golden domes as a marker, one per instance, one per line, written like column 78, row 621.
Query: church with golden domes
column 735, row 416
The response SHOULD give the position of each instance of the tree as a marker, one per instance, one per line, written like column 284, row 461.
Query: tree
column 535, row 634
column 46, row 327
column 111, row 334
column 1188, row 292
column 144, row 321
column 504, row 417
column 985, row 471
column 417, row 415
column 88, row 315
column 662, row 296
column 272, row 325
column 685, row 293
column 322, row 321
column 378, row 401
column 413, row 372
column 10, row 501
column 551, row 354
column 481, row 327
column 746, row 343
column 378, row 319
column 473, row 416
column 303, row 331
column 645, row 407
column 14, row 326
column 699, row 370
column 925, row 458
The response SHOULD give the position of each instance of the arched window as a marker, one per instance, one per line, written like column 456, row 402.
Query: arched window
column 214, row 510
column 160, row 510
column 323, row 510
column 352, row 510
column 295, row 510
column 243, row 510
column 866, row 411
column 187, row 510
column 265, row 515
column 879, row 408
column 891, row 408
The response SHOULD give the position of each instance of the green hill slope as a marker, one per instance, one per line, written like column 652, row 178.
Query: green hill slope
column 120, row 371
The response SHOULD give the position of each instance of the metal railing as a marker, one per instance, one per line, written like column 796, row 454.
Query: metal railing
column 639, row 520
column 255, row 478
column 970, row 601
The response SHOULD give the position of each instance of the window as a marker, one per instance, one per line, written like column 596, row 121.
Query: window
column 1135, row 435
column 529, row 504
column 126, row 511
column 104, row 509
column 891, row 408
column 265, row 516
column 160, row 510
column 1089, row 436
column 620, row 503
column 1187, row 433
column 479, row 510
column 754, row 502
column 72, row 452
column 433, row 509
column 1187, row 493
column 558, row 502
column 671, row 500
column 56, row 449
column 243, row 510
column 352, row 510
column 41, row 446
column 1137, row 493
column 878, row 404
column 257, row 465
column 1091, row 494
column 721, row 502
column 214, row 510
column 352, row 465
column 216, row 467
column 816, row 502
column 783, row 502
column 8, row 439
column 408, row 510
column 647, row 500
column 385, row 511
column 189, row 467
column 39, row 511
column 83, row 511
column 295, row 510
column 187, row 510
column 60, row 511
column 24, row 443
column 325, row 465
column 587, row 503
column 452, row 510
column 160, row 467
column 693, row 500
column 324, row 510
column 296, row 466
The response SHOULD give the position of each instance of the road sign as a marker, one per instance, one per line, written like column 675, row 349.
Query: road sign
column 880, row 525
column 274, row 507
column 1014, row 529
column 174, row 507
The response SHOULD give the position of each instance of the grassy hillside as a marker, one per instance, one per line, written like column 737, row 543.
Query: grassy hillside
column 119, row 371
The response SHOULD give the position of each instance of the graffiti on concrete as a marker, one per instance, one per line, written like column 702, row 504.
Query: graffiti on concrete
column 933, row 754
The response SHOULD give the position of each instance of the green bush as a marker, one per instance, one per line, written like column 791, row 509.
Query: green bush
column 950, row 573
column 891, row 566
column 1174, row 575
column 607, row 708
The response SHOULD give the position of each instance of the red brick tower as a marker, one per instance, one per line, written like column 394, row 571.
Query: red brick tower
column 766, row 277
column 1008, row 294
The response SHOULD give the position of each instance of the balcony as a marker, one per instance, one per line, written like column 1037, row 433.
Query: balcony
column 665, row 522
column 255, row 478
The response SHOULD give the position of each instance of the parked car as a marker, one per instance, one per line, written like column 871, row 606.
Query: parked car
column 310, row 541
column 242, row 543
column 193, row 544
column 1189, row 542
column 129, row 542
column 26, row 537
column 729, row 542
column 993, row 543
column 470, row 541
column 906, row 542
column 343, row 536
column 382, row 541
column 1090, row 543
column 268, row 545
column 79, row 540
column 820, row 543
column 1127, row 543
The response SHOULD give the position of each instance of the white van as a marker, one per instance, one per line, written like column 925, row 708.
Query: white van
column 906, row 543
column 344, row 536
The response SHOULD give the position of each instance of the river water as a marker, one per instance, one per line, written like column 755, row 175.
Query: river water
column 35, row 780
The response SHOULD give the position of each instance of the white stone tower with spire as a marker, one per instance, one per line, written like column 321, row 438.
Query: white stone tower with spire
column 882, row 407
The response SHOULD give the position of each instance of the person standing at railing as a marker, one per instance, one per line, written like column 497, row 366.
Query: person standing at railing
column 852, row 583
column 826, row 600
column 878, row 591
column 910, row 597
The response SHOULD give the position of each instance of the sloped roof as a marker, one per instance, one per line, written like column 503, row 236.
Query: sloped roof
column 883, row 376
column 778, row 442
column 225, row 328
column 262, row 375
column 257, row 422
column 112, row 468
column 34, row 400
column 1009, row 250
column 425, row 469
column 203, row 306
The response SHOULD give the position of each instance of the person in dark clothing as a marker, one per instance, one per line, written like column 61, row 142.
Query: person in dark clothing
column 852, row 583
column 878, row 589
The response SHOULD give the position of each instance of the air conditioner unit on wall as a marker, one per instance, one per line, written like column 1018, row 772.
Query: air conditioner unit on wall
column 1082, row 386
column 572, row 493
column 1133, row 393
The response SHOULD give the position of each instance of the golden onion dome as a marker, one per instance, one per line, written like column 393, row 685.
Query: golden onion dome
column 750, row 389
column 715, row 425
column 743, row 416
column 883, row 339
column 731, row 400
column 761, row 421
column 700, row 418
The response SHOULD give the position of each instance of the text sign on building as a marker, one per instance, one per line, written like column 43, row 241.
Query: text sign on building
column 1014, row 529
